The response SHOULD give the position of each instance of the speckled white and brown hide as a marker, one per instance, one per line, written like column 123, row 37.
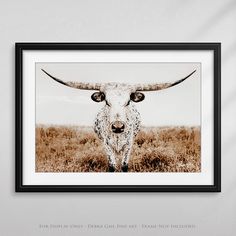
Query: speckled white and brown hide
column 118, row 107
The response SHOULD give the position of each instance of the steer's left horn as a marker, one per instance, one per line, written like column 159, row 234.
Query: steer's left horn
column 160, row 86
column 77, row 85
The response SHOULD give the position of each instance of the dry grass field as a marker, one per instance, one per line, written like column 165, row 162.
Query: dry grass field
column 77, row 149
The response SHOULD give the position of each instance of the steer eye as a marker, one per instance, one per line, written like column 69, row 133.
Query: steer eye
column 127, row 104
column 107, row 103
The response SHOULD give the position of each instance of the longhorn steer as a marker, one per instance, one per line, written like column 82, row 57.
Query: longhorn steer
column 118, row 122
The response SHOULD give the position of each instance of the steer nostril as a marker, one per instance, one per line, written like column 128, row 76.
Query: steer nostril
column 118, row 127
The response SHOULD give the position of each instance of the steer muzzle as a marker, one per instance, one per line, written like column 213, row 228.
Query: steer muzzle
column 118, row 127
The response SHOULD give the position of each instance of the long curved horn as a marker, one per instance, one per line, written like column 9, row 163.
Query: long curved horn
column 160, row 86
column 77, row 85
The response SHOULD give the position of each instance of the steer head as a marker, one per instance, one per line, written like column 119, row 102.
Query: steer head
column 118, row 97
column 118, row 100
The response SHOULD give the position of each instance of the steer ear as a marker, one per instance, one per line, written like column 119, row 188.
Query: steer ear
column 98, row 96
column 137, row 97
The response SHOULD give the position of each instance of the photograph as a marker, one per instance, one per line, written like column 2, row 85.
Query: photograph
column 118, row 117
column 111, row 118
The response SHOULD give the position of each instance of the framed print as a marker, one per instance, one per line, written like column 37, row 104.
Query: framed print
column 118, row 117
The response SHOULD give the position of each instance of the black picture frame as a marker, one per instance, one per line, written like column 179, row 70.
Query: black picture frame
column 19, row 90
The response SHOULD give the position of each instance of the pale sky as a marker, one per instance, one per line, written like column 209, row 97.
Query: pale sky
column 61, row 105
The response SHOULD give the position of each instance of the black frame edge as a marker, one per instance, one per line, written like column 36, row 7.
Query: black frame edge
column 217, row 117
column 19, row 118
column 20, row 46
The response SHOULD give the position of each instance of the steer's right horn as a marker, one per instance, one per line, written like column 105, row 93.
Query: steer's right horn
column 77, row 85
column 160, row 86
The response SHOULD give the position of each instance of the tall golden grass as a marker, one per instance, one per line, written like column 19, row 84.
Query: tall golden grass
column 78, row 149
